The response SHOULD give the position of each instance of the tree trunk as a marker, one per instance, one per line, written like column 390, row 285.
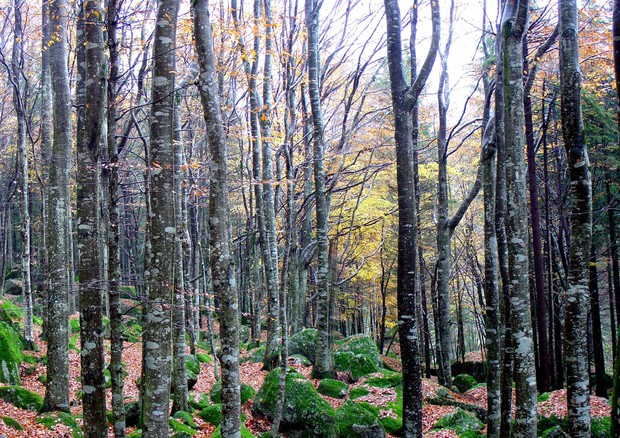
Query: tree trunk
column 577, row 294
column 597, row 336
column 157, row 333
column 513, row 29
column 221, row 268
column 57, row 386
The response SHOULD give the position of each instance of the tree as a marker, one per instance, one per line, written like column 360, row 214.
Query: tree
column 514, row 21
column 57, row 386
column 90, row 138
column 403, row 100
column 221, row 265
column 577, row 294
column 157, row 335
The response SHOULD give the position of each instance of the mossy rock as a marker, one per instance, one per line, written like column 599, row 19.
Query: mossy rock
column 256, row 356
column 300, row 359
column 186, row 418
column 132, row 414
column 462, row 422
column 245, row 433
column 131, row 333
column 333, row 388
column 73, row 343
column 352, row 414
column 135, row 434
column 177, row 427
column 10, row 312
column 192, row 364
column 42, row 378
column 204, row 358
column 304, row 343
column 464, row 382
column 388, row 381
column 358, row 392
column 364, row 345
column 543, row 397
column 212, row 414
column 10, row 354
column 600, row 427
column 475, row 369
column 393, row 426
column 361, row 365
column 74, row 324
column 556, row 432
column 21, row 397
column 247, row 392
column 51, row 419
column 198, row 400
column 304, row 413
column 342, row 360
column 12, row 423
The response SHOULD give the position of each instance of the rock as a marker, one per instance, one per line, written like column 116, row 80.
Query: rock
column 333, row 388
column 355, row 420
column 12, row 423
column 247, row 392
column 361, row 365
column 464, row 382
column 304, row 413
column 364, row 345
column 180, row 429
column 555, row 432
column 304, row 343
column 21, row 397
column 212, row 414
column 460, row 421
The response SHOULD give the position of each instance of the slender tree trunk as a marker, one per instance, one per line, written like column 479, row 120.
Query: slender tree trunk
column 513, row 29
column 324, row 362
column 597, row 336
column 577, row 295
column 221, row 267
column 57, row 386
column 157, row 334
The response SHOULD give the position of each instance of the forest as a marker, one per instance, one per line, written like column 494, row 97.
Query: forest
column 309, row 218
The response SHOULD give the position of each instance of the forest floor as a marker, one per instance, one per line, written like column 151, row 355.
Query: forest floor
column 252, row 374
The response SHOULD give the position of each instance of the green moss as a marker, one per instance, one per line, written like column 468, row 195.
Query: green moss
column 304, row 343
column 245, row 433
column 10, row 354
column 333, row 388
column 186, row 418
column 38, row 321
column 389, row 381
column 546, row 423
column 247, row 392
column 21, row 397
column 42, row 378
column 361, row 365
column 461, row 422
column 600, row 427
column 304, row 410
column 131, row 332
column 244, row 333
column 204, row 358
column 73, row 343
column 351, row 413
column 30, row 359
column 135, row 434
column 543, row 397
column 178, row 427
column 464, row 382
column 301, row 359
column 198, row 400
column 364, row 345
column 74, row 324
column 12, row 423
column 51, row 419
column 212, row 414
column 256, row 355
column 393, row 426
column 358, row 392
column 192, row 364
column 342, row 360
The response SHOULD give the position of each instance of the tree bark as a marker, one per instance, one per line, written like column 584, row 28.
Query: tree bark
column 221, row 266
column 577, row 294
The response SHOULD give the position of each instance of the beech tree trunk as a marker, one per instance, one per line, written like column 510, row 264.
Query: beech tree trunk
column 221, row 266
column 513, row 27
column 57, row 386
column 577, row 294
column 157, row 334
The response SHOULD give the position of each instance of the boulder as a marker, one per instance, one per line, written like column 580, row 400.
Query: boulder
column 10, row 354
column 357, row 421
column 304, row 343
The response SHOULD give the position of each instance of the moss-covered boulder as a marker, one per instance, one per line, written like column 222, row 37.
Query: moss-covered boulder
column 204, row 358
column 212, row 414
column 361, row 365
column 464, row 382
column 245, row 433
column 362, row 344
column 192, row 363
column 299, row 359
column 74, row 324
column 12, row 423
column 51, row 419
column 21, row 397
column 247, row 392
column 475, row 369
column 178, row 428
column 358, row 392
column 462, row 422
column 256, row 355
column 10, row 354
column 388, row 380
column 304, row 412
column 198, row 400
column 355, row 420
column 304, row 343
column 342, row 359
column 333, row 388
column 185, row 418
